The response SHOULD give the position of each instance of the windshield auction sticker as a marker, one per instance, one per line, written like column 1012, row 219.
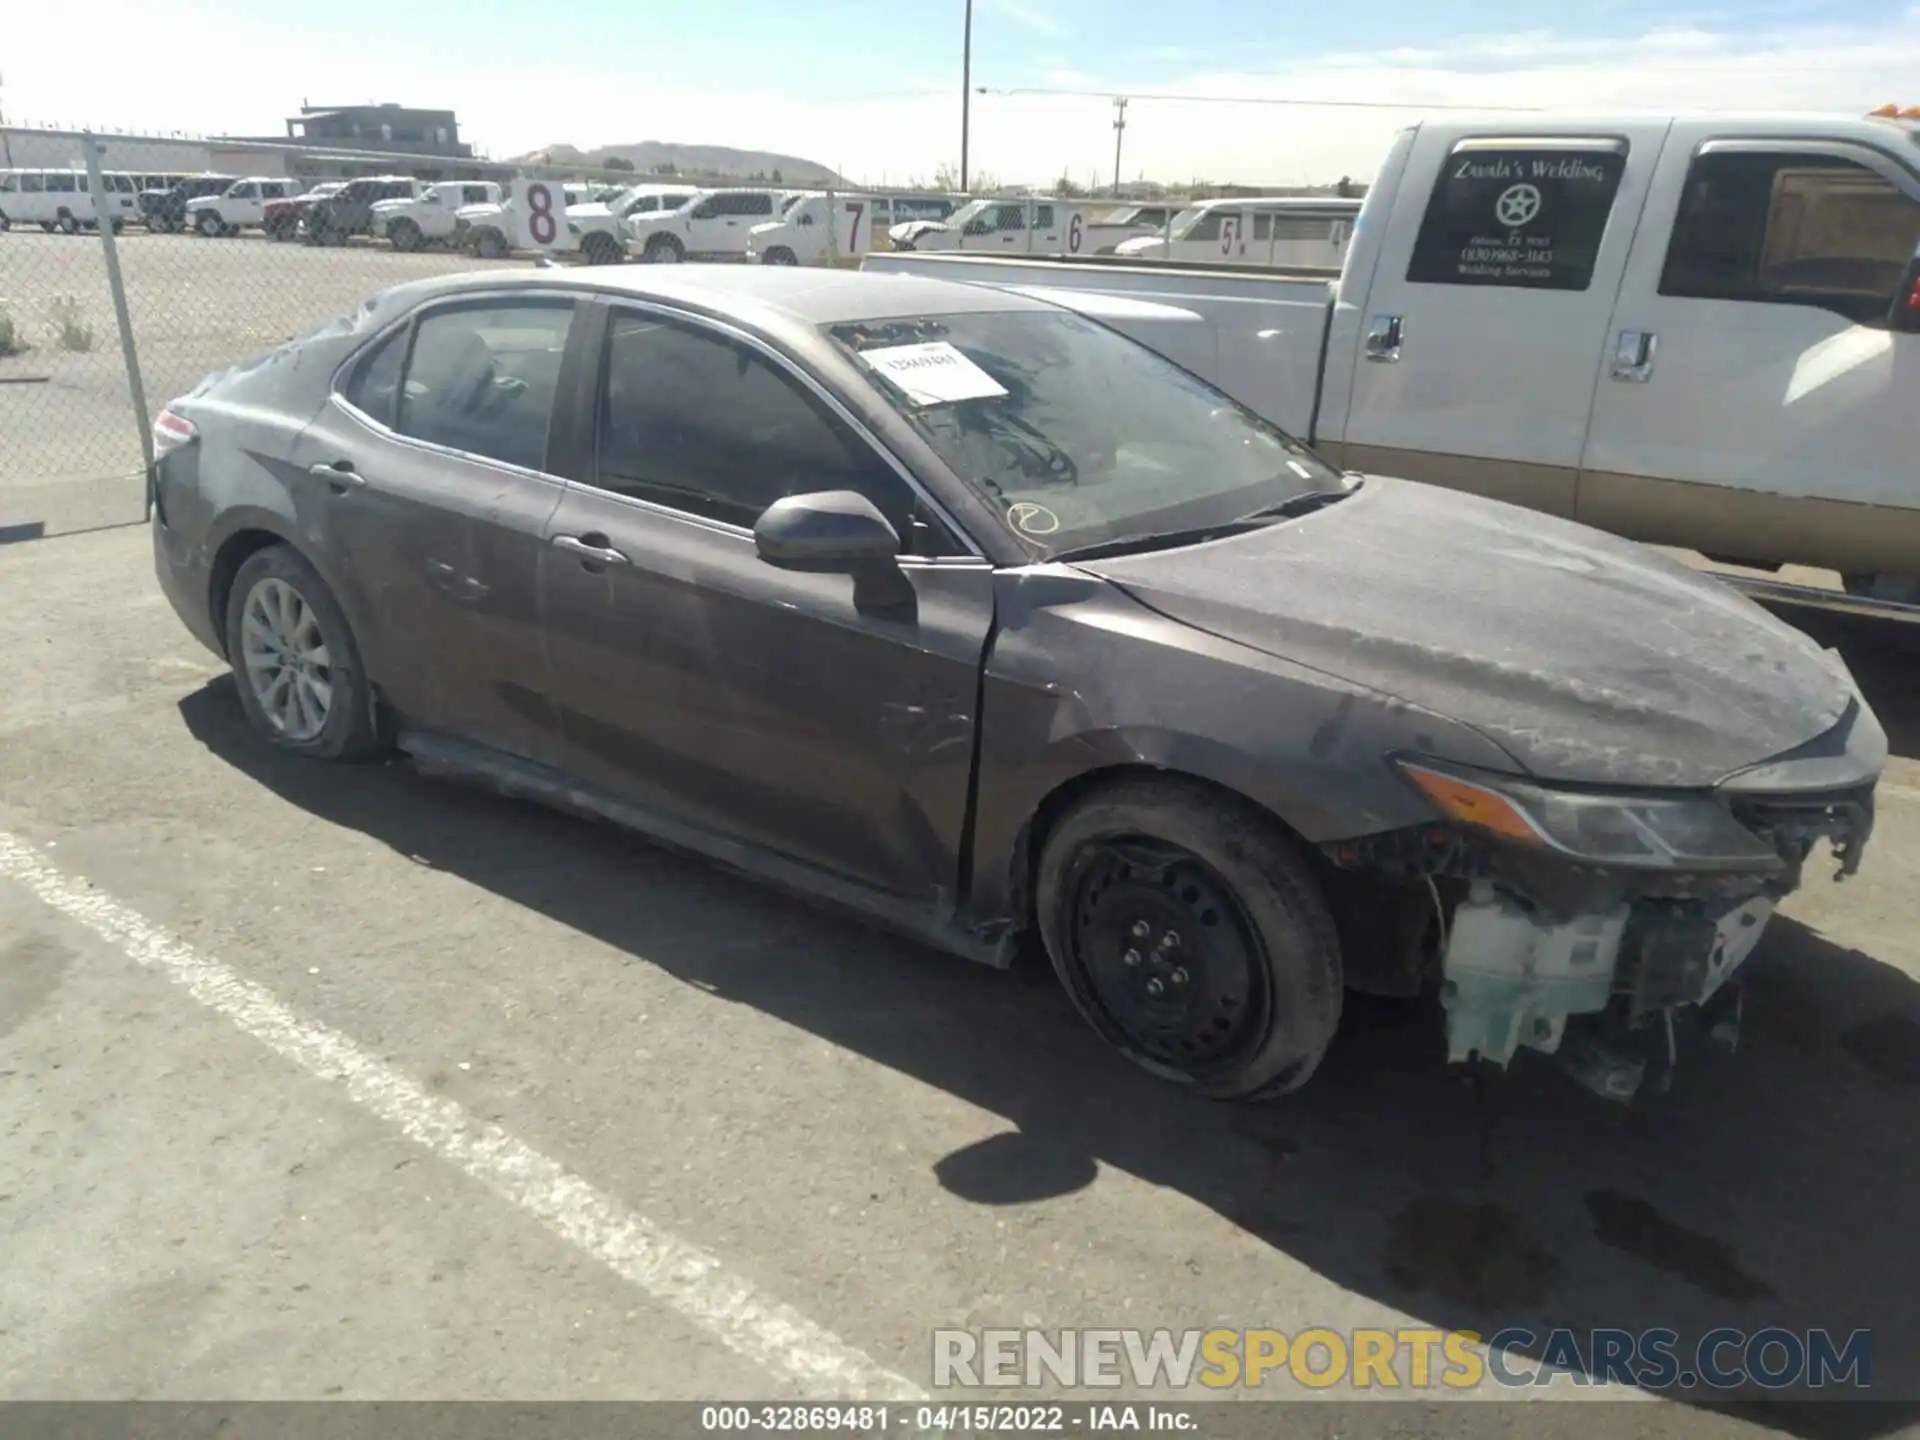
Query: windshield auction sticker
column 934, row 373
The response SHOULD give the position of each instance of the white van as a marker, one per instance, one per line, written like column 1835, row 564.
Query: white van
column 60, row 200
column 800, row 235
column 713, row 225
column 1265, row 230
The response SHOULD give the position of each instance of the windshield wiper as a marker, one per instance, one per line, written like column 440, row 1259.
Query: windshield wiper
column 1304, row 503
column 1160, row 539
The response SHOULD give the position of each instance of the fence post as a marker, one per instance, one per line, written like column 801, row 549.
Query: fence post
column 103, row 218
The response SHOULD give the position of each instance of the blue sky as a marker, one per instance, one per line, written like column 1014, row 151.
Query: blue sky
column 871, row 85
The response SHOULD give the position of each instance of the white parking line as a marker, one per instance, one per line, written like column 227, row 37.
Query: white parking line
column 680, row 1275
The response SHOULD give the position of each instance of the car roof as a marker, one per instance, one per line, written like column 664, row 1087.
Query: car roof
column 757, row 295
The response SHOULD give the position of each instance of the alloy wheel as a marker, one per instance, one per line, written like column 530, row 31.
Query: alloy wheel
column 286, row 661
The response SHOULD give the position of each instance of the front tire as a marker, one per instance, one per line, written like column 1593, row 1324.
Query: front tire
column 665, row 250
column 208, row 224
column 601, row 248
column 1191, row 934
column 490, row 245
column 67, row 223
column 781, row 255
column 295, row 662
column 405, row 235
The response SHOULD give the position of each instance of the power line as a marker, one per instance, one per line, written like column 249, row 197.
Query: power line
column 1249, row 99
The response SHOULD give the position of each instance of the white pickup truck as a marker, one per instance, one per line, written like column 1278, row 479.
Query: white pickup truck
column 242, row 205
column 411, row 221
column 1696, row 331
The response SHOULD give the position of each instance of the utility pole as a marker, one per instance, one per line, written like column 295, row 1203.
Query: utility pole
column 966, row 93
column 1119, row 134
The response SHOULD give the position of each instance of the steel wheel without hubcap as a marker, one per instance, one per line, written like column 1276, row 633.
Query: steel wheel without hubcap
column 285, row 658
column 1168, row 954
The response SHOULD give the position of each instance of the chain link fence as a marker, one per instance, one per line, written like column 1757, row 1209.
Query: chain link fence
column 101, row 324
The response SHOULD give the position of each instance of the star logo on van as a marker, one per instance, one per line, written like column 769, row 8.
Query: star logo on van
column 1517, row 205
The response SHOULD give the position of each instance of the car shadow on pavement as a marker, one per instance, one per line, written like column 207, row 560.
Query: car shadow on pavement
column 1782, row 1192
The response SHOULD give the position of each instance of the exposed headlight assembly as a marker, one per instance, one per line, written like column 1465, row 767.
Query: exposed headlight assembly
column 1693, row 832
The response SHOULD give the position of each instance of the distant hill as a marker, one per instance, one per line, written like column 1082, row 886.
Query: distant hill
column 660, row 157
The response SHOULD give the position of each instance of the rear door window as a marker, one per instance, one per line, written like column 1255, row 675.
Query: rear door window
column 1783, row 228
column 32, row 183
column 1524, row 213
column 61, row 183
column 481, row 377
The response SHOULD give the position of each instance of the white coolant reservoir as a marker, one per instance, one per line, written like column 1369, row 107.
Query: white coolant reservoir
column 1512, row 977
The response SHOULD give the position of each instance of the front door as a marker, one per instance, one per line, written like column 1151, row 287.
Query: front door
column 1756, row 401
column 429, row 469
column 792, row 712
column 1482, row 334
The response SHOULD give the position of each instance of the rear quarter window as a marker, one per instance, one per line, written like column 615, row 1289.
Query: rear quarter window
column 1518, row 213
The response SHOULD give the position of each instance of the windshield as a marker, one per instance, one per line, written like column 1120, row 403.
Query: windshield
column 1075, row 434
column 968, row 211
column 1185, row 221
column 787, row 202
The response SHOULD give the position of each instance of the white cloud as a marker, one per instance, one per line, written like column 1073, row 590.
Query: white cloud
column 515, row 104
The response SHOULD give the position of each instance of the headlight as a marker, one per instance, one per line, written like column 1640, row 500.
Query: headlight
column 1644, row 831
column 573, row 227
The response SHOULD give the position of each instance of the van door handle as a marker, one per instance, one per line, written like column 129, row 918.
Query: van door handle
column 592, row 548
column 1633, row 352
column 1383, row 339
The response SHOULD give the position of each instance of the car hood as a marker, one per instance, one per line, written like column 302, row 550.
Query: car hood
column 1586, row 657
column 1141, row 245
column 590, row 210
column 387, row 207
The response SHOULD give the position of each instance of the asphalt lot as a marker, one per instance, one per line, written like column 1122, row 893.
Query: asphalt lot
column 69, row 448
column 340, row 1082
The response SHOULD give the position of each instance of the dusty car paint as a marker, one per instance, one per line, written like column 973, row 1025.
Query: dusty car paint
column 899, row 749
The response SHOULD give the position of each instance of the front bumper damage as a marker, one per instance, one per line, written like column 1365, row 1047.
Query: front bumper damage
column 1536, row 951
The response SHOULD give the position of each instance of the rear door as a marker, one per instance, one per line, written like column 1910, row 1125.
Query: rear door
column 1485, row 325
column 428, row 480
column 1756, row 401
column 794, row 712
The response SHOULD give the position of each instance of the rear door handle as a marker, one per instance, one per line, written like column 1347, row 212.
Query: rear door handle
column 340, row 476
column 1633, row 352
column 592, row 548
column 1383, row 339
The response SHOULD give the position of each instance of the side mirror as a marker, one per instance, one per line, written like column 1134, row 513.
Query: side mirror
column 832, row 531
column 1904, row 318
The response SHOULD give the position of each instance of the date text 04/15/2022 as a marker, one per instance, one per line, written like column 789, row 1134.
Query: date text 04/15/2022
column 1036, row 1419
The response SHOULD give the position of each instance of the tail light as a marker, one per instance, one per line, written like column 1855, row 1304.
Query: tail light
column 171, row 431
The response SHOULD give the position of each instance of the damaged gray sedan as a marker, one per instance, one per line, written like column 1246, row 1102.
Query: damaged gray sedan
column 959, row 609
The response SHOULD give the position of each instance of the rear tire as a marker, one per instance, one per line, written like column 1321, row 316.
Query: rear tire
column 1191, row 934
column 292, row 651
column 665, row 250
column 490, row 245
column 5, row 223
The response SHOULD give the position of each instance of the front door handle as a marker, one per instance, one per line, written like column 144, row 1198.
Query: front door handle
column 1383, row 339
column 1633, row 352
column 592, row 548
column 340, row 476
